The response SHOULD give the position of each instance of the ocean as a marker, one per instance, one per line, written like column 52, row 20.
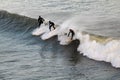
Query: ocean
column 30, row 52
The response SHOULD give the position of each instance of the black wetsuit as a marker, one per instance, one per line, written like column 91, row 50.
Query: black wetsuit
column 72, row 33
column 51, row 24
column 40, row 20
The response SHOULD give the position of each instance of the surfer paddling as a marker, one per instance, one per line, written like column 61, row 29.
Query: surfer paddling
column 51, row 24
column 40, row 20
column 72, row 33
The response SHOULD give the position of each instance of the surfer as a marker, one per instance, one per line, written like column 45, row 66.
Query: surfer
column 51, row 24
column 40, row 20
column 72, row 33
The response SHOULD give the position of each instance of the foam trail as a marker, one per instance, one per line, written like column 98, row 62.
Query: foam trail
column 49, row 34
column 95, row 47
column 39, row 31
column 42, row 29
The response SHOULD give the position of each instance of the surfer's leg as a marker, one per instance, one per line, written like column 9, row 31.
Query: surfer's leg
column 72, row 36
column 53, row 26
column 68, row 34
column 39, row 24
column 50, row 27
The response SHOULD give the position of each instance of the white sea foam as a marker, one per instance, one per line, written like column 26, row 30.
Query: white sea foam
column 93, row 46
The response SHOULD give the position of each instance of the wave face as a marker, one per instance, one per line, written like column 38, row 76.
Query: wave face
column 27, row 57
column 101, row 46
column 23, row 56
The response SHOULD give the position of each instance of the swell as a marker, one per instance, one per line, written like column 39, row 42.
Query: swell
column 16, row 34
column 16, row 25
column 97, row 47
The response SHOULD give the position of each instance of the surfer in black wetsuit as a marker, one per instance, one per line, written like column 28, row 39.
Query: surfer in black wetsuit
column 40, row 20
column 51, row 24
column 72, row 33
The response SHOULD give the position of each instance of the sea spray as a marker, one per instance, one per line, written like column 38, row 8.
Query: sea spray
column 93, row 46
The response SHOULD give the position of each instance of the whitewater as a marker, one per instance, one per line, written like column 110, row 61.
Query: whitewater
column 97, row 47
column 102, row 23
column 32, row 52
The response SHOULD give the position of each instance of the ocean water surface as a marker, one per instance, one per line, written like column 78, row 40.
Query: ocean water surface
column 24, row 56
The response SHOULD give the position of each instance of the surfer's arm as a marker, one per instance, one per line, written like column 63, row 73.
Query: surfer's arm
column 68, row 34
column 43, row 19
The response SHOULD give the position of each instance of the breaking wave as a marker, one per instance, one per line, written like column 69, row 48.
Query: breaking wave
column 97, row 36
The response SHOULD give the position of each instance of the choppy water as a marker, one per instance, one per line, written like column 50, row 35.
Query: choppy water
column 26, row 57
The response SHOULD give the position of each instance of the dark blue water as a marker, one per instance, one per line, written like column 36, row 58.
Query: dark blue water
column 26, row 57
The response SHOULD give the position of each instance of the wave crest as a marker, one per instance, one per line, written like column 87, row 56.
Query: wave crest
column 96, row 47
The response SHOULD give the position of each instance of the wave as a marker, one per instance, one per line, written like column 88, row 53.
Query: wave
column 17, row 23
column 16, row 27
column 99, row 45
column 95, row 43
